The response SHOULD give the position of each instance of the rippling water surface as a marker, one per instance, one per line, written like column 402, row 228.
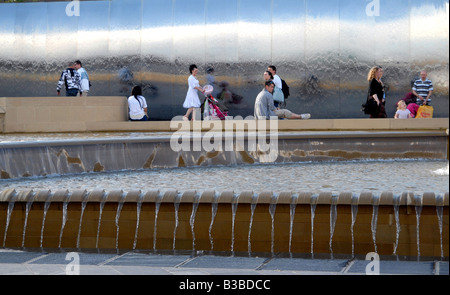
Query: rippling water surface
column 356, row 176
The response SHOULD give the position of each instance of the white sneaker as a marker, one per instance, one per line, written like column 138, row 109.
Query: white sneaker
column 305, row 116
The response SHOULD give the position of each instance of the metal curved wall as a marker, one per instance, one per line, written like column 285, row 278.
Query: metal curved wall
column 323, row 49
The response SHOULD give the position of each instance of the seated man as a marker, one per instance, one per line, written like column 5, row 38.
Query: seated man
column 265, row 108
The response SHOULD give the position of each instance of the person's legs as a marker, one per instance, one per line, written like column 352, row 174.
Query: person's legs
column 300, row 117
column 188, row 112
column 287, row 114
column 196, row 114
column 71, row 92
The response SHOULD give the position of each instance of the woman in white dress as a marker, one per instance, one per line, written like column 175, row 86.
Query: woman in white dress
column 192, row 101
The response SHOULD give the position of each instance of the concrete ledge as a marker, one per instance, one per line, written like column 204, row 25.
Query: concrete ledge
column 435, row 124
column 211, row 197
column 59, row 114
column 109, row 114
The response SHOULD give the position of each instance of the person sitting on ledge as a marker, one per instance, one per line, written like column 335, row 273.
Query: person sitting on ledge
column 265, row 108
column 137, row 105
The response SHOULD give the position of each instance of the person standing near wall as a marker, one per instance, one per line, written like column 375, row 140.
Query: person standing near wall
column 192, row 101
column 423, row 89
column 277, row 80
column 268, row 76
column 84, row 90
column 376, row 91
column 71, row 79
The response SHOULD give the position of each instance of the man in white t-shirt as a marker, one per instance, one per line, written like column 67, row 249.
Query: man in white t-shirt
column 84, row 90
column 276, row 80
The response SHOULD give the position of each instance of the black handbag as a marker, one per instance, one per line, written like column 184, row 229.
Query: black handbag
column 371, row 106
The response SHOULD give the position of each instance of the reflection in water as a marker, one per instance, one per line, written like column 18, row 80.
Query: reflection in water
column 353, row 176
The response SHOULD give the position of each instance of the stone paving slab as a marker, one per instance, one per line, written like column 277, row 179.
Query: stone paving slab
column 443, row 268
column 18, row 256
column 396, row 267
column 225, row 262
column 319, row 265
column 85, row 258
column 150, row 260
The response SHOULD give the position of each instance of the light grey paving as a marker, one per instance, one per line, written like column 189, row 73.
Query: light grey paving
column 65, row 258
column 228, row 262
column 13, row 262
column 396, row 267
column 151, row 260
column 18, row 256
column 317, row 265
column 443, row 268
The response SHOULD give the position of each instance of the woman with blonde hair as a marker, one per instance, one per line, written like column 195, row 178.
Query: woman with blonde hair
column 376, row 91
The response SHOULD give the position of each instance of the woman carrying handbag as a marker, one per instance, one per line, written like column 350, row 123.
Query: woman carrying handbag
column 376, row 92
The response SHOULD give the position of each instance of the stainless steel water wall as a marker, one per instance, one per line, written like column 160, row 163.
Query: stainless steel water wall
column 323, row 49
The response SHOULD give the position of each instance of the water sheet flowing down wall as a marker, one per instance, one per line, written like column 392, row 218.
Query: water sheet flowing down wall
column 318, row 46
column 222, row 221
column 42, row 158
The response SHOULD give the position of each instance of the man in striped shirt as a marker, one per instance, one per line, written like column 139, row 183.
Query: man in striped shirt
column 423, row 88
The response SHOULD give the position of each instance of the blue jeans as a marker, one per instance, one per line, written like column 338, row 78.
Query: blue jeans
column 71, row 92
column 145, row 118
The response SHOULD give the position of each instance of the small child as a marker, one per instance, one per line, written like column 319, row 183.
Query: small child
column 402, row 111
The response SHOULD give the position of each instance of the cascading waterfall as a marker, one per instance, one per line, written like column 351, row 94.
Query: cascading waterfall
column 333, row 218
column 252, row 209
column 27, row 211
column 354, row 207
column 157, row 205
column 418, row 207
column 102, row 204
column 373, row 224
column 214, row 207
column 388, row 234
column 397, row 221
column 272, row 208
column 176, row 204
column 46, row 207
column 192, row 218
column 83, row 207
column 8, row 216
column 440, row 214
column 292, row 208
column 314, row 198
column 119, row 209
column 234, row 206
column 64, row 218
column 138, row 214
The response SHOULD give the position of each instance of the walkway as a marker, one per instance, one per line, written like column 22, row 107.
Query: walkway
column 16, row 262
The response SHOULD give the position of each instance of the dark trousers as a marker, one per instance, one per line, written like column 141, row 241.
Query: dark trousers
column 71, row 92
